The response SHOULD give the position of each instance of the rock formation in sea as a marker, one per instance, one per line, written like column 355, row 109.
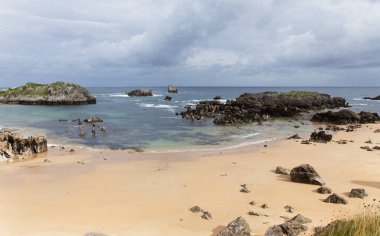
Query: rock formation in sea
column 346, row 116
column 58, row 93
column 259, row 107
column 13, row 145
column 172, row 89
column 140, row 93
column 372, row 98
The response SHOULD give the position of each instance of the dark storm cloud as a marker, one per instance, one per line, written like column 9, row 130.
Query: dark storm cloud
column 209, row 42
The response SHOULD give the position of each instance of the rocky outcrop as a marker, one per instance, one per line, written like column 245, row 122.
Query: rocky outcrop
column 13, row 145
column 306, row 174
column 58, row 93
column 292, row 227
column 237, row 227
column 320, row 137
column 172, row 89
column 372, row 98
column 250, row 107
column 346, row 116
column 140, row 93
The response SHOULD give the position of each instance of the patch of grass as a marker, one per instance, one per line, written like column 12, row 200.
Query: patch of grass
column 366, row 224
column 33, row 89
column 299, row 94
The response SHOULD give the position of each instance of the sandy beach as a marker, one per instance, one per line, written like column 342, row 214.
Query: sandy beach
column 129, row 193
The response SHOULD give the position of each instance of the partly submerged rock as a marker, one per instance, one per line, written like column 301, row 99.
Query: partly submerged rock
column 306, row 174
column 346, row 116
column 168, row 98
column 13, row 145
column 372, row 98
column 358, row 193
column 334, row 198
column 238, row 227
column 58, row 93
column 172, row 89
column 140, row 93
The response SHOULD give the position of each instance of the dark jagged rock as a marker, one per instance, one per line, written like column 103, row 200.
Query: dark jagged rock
column 58, row 93
column 172, row 89
column 168, row 98
column 282, row 171
column 217, row 97
column 320, row 137
column 292, row 227
column 346, row 116
column 13, row 145
column 372, row 98
column 258, row 107
column 306, row 174
column 358, row 193
column 238, row 227
column 140, row 93
column 334, row 198
column 324, row 190
column 93, row 120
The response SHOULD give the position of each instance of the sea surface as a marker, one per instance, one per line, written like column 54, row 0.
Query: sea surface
column 150, row 123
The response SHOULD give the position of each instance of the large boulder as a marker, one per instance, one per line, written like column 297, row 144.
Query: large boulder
column 140, row 93
column 237, row 227
column 58, row 93
column 13, row 145
column 346, row 116
column 306, row 174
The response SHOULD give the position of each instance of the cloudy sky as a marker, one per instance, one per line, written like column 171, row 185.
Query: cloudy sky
column 191, row 42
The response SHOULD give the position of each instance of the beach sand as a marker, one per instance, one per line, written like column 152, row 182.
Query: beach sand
column 129, row 193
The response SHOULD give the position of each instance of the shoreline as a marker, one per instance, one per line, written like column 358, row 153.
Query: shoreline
column 119, row 192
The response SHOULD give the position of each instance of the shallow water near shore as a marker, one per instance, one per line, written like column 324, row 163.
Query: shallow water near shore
column 150, row 123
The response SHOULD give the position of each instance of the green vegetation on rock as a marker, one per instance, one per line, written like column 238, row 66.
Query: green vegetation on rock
column 299, row 94
column 33, row 89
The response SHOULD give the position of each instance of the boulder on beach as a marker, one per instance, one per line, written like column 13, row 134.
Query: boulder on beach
column 238, row 227
column 293, row 227
column 282, row 171
column 13, row 145
column 336, row 199
column 358, row 193
column 346, row 116
column 324, row 190
column 140, row 93
column 306, row 174
column 320, row 137
column 172, row 89
column 58, row 93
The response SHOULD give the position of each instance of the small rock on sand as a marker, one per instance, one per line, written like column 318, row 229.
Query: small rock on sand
column 206, row 215
column 324, row 190
column 238, row 227
column 358, row 193
column 282, row 171
column 334, row 198
column 195, row 209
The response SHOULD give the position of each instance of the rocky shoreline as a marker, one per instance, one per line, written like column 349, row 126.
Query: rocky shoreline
column 58, row 93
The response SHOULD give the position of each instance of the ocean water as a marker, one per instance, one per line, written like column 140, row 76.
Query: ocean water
column 150, row 123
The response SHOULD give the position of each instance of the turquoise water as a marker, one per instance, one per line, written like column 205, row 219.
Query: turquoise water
column 150, row 123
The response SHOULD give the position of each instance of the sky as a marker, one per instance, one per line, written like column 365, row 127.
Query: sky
column 191, row 42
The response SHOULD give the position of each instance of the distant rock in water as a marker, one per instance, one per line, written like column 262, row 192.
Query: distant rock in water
column 13, row 145
column 58, row 93
column 346, row 116
column 172, row 89
column 370, row 98
column 140, row 93
column 250, row 107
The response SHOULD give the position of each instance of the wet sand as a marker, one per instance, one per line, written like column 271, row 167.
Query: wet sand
column 129, row 193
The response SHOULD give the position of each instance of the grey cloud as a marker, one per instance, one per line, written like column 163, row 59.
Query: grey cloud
column 209, row 42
